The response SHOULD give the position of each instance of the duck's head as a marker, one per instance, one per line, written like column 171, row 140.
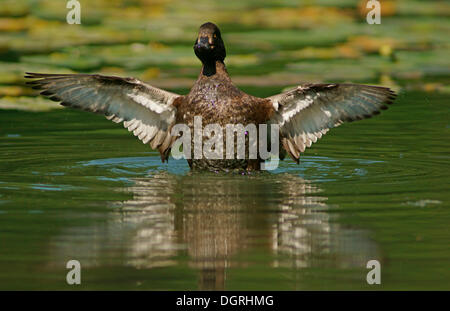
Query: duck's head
column 209, row 46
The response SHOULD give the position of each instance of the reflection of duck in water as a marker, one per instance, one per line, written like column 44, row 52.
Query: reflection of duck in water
column 215, row 218
column 303, row 114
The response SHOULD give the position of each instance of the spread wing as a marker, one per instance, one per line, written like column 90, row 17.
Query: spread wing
column 307, row 112
column 146, row 111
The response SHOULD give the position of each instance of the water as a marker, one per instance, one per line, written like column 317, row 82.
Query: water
column 75, row 186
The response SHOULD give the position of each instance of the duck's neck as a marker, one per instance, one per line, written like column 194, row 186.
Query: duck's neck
column 211, row 68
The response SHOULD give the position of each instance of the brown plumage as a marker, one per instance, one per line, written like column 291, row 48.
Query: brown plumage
column 303, row 114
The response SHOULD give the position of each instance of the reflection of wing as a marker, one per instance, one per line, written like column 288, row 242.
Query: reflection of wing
column 145, row 110
column 307, row 112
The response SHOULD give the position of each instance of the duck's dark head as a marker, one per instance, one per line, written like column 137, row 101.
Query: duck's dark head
column 209, row 46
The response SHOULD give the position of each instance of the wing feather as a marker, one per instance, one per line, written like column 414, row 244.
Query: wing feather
column 307, row 112
column 146, row 111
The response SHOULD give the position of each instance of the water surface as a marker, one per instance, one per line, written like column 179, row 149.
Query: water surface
column 74, row 186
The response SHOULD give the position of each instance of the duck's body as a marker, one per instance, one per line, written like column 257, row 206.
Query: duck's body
column 218, row 101
column 303, row 115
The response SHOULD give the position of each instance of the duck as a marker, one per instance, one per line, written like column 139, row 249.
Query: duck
column 300, row 116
